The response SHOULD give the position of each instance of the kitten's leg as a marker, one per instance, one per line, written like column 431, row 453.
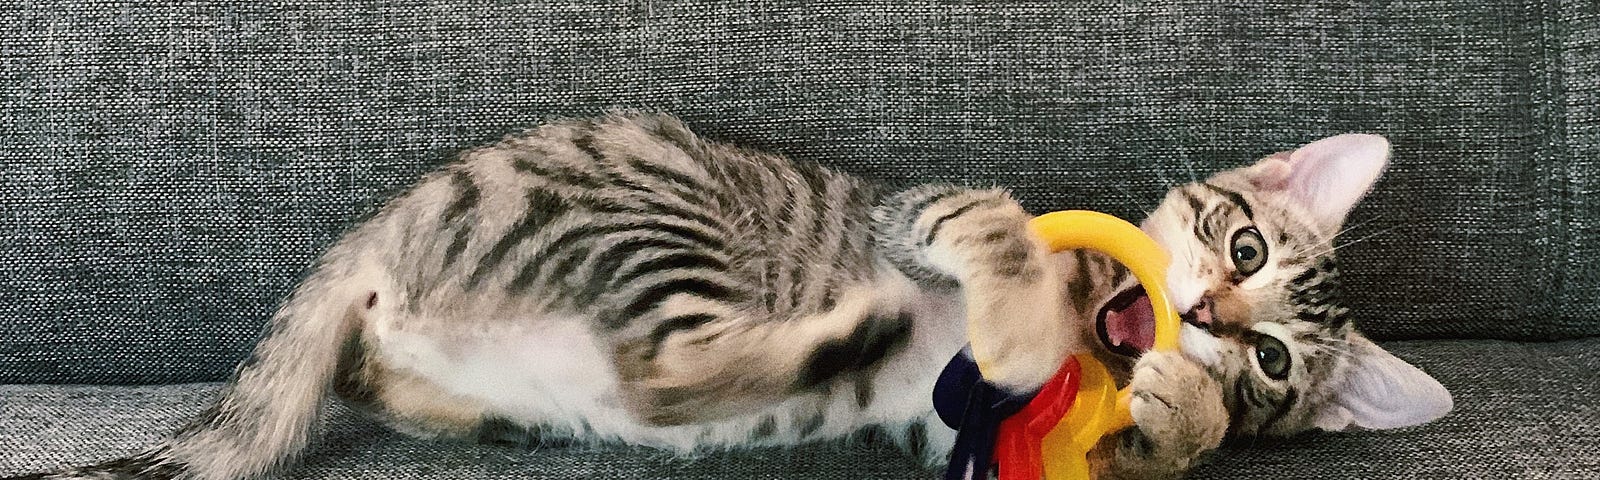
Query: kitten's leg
column 980, row 239
column 701, row 361
column 928, row 441
column 1178, row 415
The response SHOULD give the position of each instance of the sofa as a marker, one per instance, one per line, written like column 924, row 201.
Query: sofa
column 168, row 171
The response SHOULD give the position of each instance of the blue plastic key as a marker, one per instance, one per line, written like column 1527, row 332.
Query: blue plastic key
column 974, row 408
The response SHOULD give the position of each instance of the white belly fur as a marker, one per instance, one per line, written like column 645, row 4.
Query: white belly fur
column 553, row 372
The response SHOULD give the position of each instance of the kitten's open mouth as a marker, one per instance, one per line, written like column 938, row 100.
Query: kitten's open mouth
column 1127, row 324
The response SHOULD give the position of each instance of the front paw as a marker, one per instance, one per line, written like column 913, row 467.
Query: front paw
column 1178, row 414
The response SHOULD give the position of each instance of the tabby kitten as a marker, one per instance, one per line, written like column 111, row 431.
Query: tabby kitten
column 621, row 279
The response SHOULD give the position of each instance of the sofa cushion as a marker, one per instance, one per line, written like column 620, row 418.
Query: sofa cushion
column 169, row 170
column 1523, row 410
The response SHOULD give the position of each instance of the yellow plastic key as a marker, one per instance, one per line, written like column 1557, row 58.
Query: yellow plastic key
column 1099, row 408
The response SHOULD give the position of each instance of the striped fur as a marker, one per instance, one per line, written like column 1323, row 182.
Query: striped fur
column 621, row 279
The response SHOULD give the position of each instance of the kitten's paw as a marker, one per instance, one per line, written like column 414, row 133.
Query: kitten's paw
column 1177, row 408
column 928, row 441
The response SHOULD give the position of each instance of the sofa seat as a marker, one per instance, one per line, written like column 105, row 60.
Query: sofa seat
column 1523, row 410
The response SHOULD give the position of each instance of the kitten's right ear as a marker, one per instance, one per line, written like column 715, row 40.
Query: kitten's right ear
column 1326, row 177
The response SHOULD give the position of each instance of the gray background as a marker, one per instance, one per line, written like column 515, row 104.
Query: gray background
column 168, row 171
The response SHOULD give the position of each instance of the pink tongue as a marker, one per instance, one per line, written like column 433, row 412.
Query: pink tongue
column 1134, row 326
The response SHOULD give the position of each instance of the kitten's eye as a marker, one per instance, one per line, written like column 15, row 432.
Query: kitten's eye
column 1272, row 357
column 1249, row 251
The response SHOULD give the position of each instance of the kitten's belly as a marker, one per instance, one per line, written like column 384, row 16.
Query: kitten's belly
column 554, row 372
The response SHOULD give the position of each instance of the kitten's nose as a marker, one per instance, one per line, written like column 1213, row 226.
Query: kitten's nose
column 1199, row 314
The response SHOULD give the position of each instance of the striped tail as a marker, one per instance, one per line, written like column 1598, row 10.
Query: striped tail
column 271, row 409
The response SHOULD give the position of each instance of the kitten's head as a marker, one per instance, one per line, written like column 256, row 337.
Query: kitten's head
column 1253, row 270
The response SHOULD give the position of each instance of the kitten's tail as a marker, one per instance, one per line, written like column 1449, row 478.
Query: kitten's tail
column 272, row 408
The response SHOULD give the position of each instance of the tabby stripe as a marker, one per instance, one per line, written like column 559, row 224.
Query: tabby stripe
column 917, row 439
column 1236, row 410
column 824, row 201
column 458, row 244
column 914, row 206
column 688, row 187
column 468, row 197
column 870, row 342
column 657, row 207
column 831, row 236
column 729, row 183
column 1234, row 197
column 1203, row 227
column 797, row 282
column 995, row 235
column 772, row 274
column 933, row 230
column 843, row 249
column 675, row 261
column 863, row 393
column 786, row 210
column 585, row 143
column 1196, row 204
column 784, row 268
column 627, row 183
column 542, row 208
column 699, row 287
column 563, row 176
column 1282, row 409
column 767, row 428
column 1012, row 259
column 830, row 290
column 1312, row 317
column 583, row 234
column 678, row 137
column 812, row 423
column 1255, row 397
column 1080, row 284
column 651, row 207
column 674, row 325
column 1118, row 270
column 1337, row 317
column 1304, row 277
column 567, row 265
column 615, row 256
column 530, row 271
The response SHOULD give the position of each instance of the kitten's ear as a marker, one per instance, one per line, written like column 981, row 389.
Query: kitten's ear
column 1382, row 391
column 1326, row 177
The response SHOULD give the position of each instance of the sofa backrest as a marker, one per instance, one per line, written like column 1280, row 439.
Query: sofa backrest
column 169, row 171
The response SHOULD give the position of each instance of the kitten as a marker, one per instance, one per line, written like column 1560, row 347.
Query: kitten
column 621, row 279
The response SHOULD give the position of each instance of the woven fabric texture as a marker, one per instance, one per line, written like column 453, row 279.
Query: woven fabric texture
column 169, row 170
column 1523, row 411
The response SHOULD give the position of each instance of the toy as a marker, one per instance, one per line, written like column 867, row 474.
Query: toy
column 1048, row 433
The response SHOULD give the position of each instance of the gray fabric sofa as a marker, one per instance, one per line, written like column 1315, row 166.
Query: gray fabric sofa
column 168, row 171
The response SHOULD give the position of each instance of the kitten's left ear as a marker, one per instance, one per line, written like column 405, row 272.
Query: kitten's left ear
column 1382, row 391
column 1326, row 177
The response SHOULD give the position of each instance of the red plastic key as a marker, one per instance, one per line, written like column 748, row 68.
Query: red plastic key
column 1020, row 446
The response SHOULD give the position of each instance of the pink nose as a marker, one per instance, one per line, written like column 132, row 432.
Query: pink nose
column 1200, row 315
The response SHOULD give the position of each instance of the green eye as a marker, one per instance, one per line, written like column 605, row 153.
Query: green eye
column 1249, row 251
column 1272, row 357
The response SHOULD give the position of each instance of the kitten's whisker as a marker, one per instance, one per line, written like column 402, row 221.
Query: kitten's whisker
column 1166, row 183
column 1189, row 165
column 1137, row 202
column 1358, row 225
column 1358, row 240
column 1344, row 231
